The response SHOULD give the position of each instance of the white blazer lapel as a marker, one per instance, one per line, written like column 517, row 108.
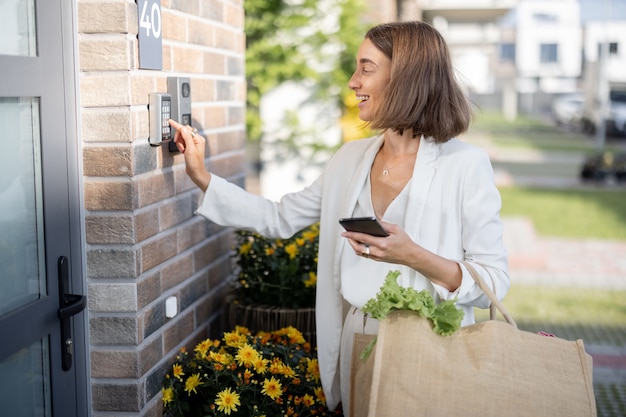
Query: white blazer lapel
column 355, row 185
column 423, row 174
column 359, row 176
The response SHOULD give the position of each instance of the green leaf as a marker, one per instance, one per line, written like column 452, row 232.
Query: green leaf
column 445, row 316
column 368, row 349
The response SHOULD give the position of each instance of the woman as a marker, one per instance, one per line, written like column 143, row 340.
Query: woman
column 434, row 195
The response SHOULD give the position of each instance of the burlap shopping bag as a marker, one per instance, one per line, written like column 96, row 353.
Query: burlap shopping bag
column 361, row 376
column 487, row 369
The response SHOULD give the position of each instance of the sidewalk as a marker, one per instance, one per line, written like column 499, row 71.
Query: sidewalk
column 588, row 263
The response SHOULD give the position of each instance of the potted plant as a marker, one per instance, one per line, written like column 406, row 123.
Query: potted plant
column 276, row 282
column 267, row 374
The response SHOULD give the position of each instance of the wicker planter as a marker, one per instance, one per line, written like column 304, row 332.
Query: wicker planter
column 269, row 318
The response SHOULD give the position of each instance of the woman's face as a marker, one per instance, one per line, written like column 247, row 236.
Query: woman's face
column 373, row 69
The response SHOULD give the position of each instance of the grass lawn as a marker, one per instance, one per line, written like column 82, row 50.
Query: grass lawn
column 599, row 214
column 564, row 306
column 528, row 133
column 584, row 213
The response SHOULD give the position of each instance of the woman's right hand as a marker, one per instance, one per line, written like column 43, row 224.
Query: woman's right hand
column 192, row 146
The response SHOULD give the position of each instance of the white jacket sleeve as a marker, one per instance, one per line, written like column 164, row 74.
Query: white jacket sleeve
column 227, row 204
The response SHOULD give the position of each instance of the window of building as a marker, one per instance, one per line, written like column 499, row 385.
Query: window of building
column 545, row 18
column 507, row 52
column 613, row 48
column 548, row 53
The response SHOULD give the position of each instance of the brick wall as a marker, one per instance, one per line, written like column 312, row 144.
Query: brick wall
column 143, row 242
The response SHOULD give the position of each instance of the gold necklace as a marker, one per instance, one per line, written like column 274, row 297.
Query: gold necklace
column 386, row 170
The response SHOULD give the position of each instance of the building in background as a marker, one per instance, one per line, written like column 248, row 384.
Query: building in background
column 603, row 82
column 475, row 37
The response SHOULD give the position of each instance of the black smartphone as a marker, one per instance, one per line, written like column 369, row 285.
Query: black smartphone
column 368, row 225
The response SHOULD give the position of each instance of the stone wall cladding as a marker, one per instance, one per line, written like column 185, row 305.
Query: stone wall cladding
column 143, row 241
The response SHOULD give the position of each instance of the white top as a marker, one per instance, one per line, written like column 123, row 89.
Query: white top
column 361, row 278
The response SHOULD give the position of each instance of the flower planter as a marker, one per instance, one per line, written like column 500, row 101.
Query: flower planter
column 244, row 374
column 262, row 318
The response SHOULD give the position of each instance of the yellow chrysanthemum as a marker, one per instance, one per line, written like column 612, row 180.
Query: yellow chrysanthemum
column 300, row 241
column 272, row 388
column 177, row 371
column 269, row 251
column 245, row 247
column 227, row 401
column 310, row 235
column 313, row 369
column 203, row 347
column 246, row 355
column 291, row 250
column 168, row 395
column 276, row 367
column 294, row 335
column 308, row 400
column 234, row 339
column 221, row 358
column 312, row 281
column 319, row 394
column 260, row 365
column 288, row 371
column 192, row 383
column 242, row 330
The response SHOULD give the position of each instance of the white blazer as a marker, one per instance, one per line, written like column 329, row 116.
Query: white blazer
column 453, row 210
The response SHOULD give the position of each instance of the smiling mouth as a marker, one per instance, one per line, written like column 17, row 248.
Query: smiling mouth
column 362, row 98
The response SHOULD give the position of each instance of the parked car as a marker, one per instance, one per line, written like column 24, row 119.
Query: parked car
column 567, row 110
column 616, row 120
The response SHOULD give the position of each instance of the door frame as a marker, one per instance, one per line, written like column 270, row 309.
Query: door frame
column 81, row 363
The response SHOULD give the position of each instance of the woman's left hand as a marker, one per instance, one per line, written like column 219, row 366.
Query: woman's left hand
column 397, row 248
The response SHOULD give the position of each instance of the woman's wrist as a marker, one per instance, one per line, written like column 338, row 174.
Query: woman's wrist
column 439, row 270
column 202, row 180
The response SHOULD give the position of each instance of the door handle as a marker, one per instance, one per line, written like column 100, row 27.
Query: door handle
column 70, row 304
column 74, row 304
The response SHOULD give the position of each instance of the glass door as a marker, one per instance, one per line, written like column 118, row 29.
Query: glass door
column 23, row 375
column 42, row 348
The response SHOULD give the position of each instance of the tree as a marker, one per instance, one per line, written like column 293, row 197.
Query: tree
column 295, row 40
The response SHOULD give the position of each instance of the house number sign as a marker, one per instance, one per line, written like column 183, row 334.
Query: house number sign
column 149, row 36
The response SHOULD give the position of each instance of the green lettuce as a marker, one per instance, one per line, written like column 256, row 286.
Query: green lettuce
column 446, row 318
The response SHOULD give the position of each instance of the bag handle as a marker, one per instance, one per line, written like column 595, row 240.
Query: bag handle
column 495, row 303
